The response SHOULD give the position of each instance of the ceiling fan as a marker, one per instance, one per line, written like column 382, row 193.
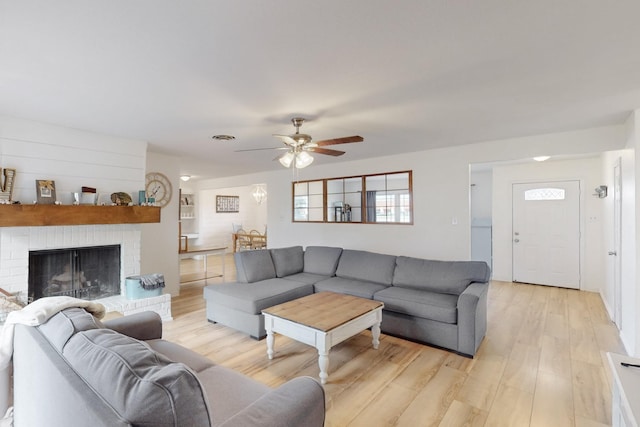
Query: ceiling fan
column 298, row 146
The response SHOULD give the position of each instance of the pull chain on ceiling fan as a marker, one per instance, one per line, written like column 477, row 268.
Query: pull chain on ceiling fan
column 298, row 146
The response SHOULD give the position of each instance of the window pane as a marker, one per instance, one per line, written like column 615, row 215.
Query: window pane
column 544, row 194
column 375, row 183
column 315, row 187
column 300, row 189
column 398, row 181
column 334, row 186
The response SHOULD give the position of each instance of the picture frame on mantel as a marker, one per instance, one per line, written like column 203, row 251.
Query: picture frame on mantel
column 46, row 191
column 226, row 204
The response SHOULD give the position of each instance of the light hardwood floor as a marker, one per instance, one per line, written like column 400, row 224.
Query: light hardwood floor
column 542, row 363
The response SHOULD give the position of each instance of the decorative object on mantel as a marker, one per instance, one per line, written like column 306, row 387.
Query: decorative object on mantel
column 225, row 204
column 158, row 188
column 121, row 199
column 46, row 191
column 86, row 198
column 6, row 186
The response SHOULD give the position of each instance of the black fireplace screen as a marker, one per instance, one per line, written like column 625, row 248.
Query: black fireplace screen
column 87, row 273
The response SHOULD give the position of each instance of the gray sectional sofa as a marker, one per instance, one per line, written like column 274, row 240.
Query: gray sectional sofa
column 74, row 371
column 441, row 303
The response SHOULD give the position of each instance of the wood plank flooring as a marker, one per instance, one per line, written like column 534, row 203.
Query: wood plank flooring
column 542, row 363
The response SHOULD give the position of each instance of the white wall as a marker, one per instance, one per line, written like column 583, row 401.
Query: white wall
column 215, row 228
column 481, row 194
column 159, row 242
column 588, row 172
column 440, row 188
column 72, row 158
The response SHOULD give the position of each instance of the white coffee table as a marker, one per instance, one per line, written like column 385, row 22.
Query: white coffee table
column 323, row 320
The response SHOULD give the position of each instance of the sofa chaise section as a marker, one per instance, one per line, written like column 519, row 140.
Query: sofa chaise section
column 260, row 285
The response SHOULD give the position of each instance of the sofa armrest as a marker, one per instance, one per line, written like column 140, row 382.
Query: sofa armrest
column 299, row 402
column 472, row 317
column 146, row 325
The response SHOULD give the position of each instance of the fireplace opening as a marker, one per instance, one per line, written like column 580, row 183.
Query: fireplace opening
column 87, row 273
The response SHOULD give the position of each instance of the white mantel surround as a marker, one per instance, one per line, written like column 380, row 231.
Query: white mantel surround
column 16, row 242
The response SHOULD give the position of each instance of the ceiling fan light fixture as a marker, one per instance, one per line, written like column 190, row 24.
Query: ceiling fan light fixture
column 286, row 159
column 303, row 159
column 185, row 178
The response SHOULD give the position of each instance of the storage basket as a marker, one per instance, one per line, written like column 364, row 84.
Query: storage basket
column 147, row 286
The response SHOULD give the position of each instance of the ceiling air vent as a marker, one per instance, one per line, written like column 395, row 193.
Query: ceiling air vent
column 223, row 137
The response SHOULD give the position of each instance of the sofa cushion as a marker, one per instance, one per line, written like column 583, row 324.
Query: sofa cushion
column 308, row 278
column 66, row 323
column 419, row 303
column 177, row 353
column 253, row 266
column 287, row 261
column 144, row 387
column 368, row 266
column 229, row 392
column 322, row 260
column 451, row 277
column 253, row 298
column 357, row 288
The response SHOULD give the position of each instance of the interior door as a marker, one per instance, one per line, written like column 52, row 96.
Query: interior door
column 617, row 238
column 546, row 233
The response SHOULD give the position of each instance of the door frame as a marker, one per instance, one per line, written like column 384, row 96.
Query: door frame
column 617, row 244
column 581, row 221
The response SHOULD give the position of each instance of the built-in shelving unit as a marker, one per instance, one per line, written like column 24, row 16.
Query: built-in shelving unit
column 46, row 215
column 187, row 206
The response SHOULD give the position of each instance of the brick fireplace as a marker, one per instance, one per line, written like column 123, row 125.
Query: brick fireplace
column 17, row 242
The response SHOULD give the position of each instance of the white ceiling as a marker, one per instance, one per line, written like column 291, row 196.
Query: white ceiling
column 405, row 75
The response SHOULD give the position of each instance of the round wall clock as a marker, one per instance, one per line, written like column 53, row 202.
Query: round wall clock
column 159, row 188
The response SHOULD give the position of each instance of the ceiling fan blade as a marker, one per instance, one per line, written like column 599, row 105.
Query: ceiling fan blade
column 278, row 157
column 325, row 151
column 262, row 149
column 343, row 140
column 287, row 139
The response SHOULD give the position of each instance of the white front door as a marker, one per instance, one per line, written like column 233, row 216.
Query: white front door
column 546, row 233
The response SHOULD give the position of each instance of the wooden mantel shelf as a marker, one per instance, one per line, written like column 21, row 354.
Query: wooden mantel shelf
column 43, row 215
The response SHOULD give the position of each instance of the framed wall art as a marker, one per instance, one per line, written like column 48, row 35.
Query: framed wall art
column 46, row 191
column 227, row 204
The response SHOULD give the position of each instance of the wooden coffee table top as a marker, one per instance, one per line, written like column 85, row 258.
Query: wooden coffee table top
column 323, row 311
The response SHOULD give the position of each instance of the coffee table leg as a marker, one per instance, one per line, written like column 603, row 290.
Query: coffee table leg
column 323, row 362
column 323, row 345
column 375, row 330
column 270, row 339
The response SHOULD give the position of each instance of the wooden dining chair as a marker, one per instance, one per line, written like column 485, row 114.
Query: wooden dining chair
column 243, row 241
column 258, row 241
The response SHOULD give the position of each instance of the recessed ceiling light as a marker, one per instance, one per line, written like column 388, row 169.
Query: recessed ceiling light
column 223, row 137
column 541, row 158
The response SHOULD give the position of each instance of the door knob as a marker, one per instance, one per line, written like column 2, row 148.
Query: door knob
column 613, row 253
